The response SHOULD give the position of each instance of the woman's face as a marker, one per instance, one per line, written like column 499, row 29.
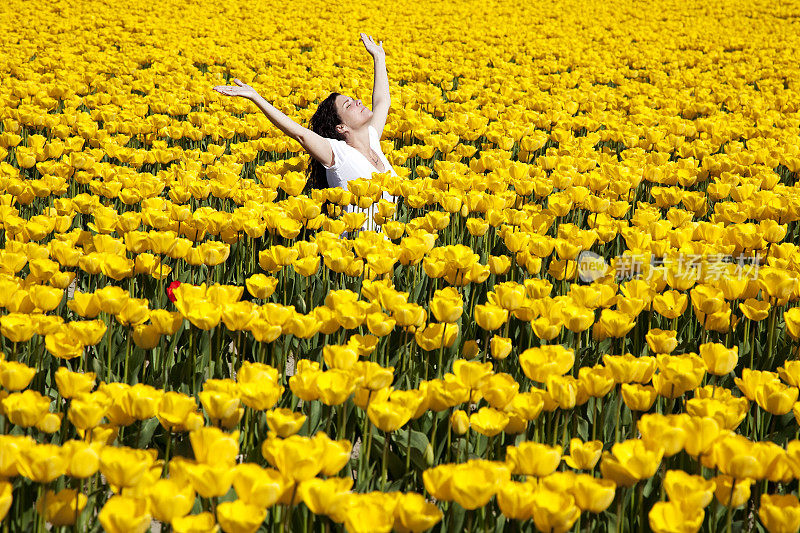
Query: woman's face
column 353, row 113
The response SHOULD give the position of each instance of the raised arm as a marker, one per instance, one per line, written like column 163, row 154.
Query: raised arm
column 381, row 100
column 319, row 148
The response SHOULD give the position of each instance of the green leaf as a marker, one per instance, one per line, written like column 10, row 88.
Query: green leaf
column 146, row 434
column 421, row 450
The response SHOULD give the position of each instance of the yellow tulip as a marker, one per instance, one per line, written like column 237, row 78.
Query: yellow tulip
column 208, row 480
column 240, row 517
column 374, row 377
column 326, row 496
column 488, row 421
column 285, row 422
column 638, row 397
column 434, row 336
column 472, row 374
column 125, row 467
column 792, row 319
column 565, row 391
column 111, row 299
column 500, row 347
column 447, row 305
column 728, row 412
column 583, row 455
column 15, row 376
column 335, row 453
column 86, row 410
column 629, row 462
column 719, row 360
column 86, row 305
column 673, row 516
column 735, row 456
column 297, row 458
column 260, row 395
column 83, row 459
column 732, row 494
column 790, row 372
column 701, row 434
column 516, row 499
column 42, row 463
column 17, row 327
column 459, row 422
column 755, row 310
column 25, row 409
column 334, row 386
column 777, row 283
column 213, row 446
column 615, row 323
column 662, row 341
column 670, row 304
column 753, row 380
column 475, row 482
column 414, row 514
column 678, row 374
column 342, row 357
column 438, row 481
column 689, row 490
column 533, row 459
column 169, row 499
column 122, row 514
column 499, row 390
column 593, row 494
column 446, row 393
column 258, row 486
column 63, row 345
column 554, row 511
column 597, row 381
column 369, row 513
column 780, row 513
column 178, row 412
column 46, row 298
column 204, row 314
column 61, row 509
column 140, row 401
column 776, row 398
column 88, row 332
column 6, row 498
column 218, row 404
column 261, row 286
column 387, row 415
column 540, row 363
column 490, row 317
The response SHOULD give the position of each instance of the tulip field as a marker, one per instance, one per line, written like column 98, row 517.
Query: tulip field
column 580, row 312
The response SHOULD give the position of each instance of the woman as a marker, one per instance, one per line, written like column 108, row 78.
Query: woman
column 343, row 137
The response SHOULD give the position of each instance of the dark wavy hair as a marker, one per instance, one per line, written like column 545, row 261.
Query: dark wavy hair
column 323, row 123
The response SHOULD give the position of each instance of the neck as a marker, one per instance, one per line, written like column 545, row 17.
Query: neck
column 358, row 139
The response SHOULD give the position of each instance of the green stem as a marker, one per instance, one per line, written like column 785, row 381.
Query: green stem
column 618, row 414
column 127, row 352
column 729, row 513
column 288, row 518
column 166, row 453
column 384, row 460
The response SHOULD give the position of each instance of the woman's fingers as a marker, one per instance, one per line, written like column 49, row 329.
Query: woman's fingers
column 227, row 90
column 238, row 82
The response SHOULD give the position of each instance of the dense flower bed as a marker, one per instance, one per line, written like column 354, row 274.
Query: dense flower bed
column 581, row 311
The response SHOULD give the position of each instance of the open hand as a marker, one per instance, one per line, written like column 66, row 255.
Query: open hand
column 240, row 89
column 375, row 50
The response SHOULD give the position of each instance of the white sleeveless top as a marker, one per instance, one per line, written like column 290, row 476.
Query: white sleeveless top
column 350, row 164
